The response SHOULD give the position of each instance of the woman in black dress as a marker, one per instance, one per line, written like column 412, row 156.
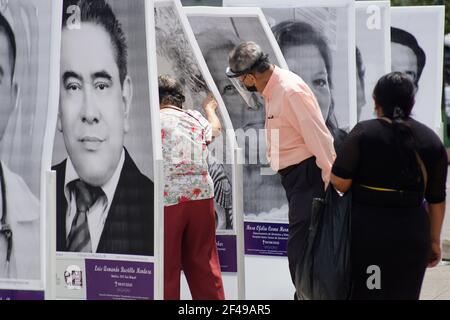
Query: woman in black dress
column 392, row 164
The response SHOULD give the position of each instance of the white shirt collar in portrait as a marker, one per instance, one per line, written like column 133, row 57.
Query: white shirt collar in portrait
column 98, row 213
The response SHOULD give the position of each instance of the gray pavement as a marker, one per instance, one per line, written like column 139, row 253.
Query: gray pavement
column 436, row 284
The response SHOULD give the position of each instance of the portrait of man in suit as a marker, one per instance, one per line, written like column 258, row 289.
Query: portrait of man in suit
column 104, row 202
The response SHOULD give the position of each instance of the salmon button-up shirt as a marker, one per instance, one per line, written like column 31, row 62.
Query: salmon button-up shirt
column 295, row 126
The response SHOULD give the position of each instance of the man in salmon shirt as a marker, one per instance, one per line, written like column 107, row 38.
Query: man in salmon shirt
column 299, row 145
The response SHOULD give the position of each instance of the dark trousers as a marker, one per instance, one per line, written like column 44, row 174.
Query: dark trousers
column 302, row 183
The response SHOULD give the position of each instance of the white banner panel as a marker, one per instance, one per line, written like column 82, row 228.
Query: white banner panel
column 373, row 57
column 217, row 31
column 28, row 45
column 104, row 155
column 417, row 53
column 180, row 56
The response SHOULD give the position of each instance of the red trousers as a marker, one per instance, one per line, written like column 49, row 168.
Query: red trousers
column 190, row 245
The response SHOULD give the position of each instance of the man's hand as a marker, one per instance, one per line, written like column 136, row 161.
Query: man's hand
column 435, row 255
column 210, row 103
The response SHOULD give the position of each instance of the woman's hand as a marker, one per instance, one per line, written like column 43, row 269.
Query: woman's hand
column 209, row 106
column 435, row 255
column 340, row 184
column 209, row 103
column 436, row 212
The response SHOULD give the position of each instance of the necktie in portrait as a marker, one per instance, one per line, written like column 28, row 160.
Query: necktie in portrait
column 79, row 239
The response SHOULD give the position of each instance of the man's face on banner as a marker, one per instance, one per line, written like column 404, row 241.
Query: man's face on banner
column 93, row 113
column 8, row 90
column 404, row 60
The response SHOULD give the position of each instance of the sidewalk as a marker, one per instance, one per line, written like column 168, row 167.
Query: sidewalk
column 436, row 285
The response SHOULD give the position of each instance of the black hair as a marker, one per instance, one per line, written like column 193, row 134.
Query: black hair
column 170, row 91
column 6, row 28
column 394, row 93
column 407, row 39
column 99, row 12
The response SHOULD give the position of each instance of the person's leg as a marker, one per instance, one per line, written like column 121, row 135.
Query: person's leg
column 399, row 252
column 174, row 223
column 199, row 253
column 301, row 185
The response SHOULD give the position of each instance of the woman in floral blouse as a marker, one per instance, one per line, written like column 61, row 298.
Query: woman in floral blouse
column 189, row 221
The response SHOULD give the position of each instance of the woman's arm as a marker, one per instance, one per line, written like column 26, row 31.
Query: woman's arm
column 341, row 185
column 436, row 213
column 209, row 106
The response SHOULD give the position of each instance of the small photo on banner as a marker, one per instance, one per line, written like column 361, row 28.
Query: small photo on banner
column 103, row 147
column 78, row 278
column 420, row 56
column 373, row 57
column 26, row 50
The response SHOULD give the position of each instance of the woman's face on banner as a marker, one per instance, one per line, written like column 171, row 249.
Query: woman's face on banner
column 307, row 62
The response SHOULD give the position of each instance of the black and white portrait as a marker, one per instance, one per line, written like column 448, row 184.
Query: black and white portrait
column 218, row 31
column 25, row 58
column 417, row 54
column 372, row 28
column 176, row 57
column 316, row 39
column 103, row 142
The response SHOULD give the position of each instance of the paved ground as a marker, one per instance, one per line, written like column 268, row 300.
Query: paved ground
column 436, row 285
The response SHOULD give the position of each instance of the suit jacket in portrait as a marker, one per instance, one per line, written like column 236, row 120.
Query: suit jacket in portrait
column 129, row 226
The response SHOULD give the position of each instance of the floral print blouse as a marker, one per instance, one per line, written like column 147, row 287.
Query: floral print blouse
column 185, row 136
